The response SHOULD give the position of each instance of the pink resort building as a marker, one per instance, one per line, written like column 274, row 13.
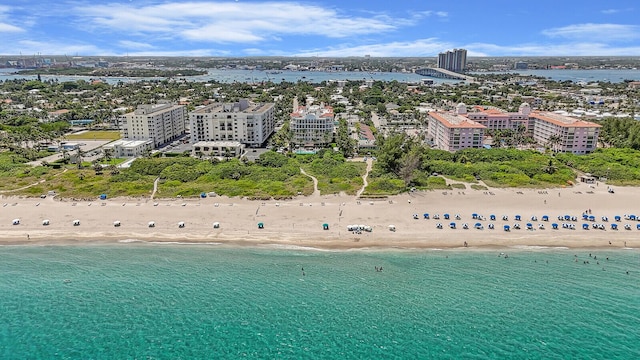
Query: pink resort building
column 462, row 129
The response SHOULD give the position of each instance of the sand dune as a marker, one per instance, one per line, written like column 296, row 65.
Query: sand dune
column 299, row 222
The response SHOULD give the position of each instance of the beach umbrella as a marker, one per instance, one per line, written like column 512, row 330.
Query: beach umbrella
column 585, row 226
column 545, row 217
column 617, row 218
column 474, row 216
column 446, row 216
column 103, row 196
column 529, row 226
column 452, row 225
column 554, row 226
column 567, row 217
column 592, row 218
column 507, row 228
column 152, row 224
column 638, row 226
column 325, row 226
column 492, row 217
column 632, row 217
column 260, row 225
column 615, row 226
column 585, row 216
column 478, row 226
column 425, row 215
column 517, row 217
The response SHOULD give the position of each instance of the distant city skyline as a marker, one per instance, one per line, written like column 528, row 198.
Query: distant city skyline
column 410, row 28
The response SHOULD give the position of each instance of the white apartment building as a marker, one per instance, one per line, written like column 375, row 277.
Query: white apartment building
column 311, row 125
column 129, row 148
column 161, row 123
column 248, row 123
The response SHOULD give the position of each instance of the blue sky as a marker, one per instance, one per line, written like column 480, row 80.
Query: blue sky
column 319, row 28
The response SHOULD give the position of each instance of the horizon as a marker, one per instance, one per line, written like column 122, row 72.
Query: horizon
column 280, row 28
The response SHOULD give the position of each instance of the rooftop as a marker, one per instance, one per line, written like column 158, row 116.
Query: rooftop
column 455, row 121
column 562, row 120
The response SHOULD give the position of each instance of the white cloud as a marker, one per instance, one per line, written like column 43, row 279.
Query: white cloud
column 234, row 22
column 415, row 48
column 565, row 49
column 135, row 45
column 6, row 27
column 610, row 11
column 52, row 48
column 595, row 32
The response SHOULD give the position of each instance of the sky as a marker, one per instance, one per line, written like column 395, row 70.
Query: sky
column 331, row 28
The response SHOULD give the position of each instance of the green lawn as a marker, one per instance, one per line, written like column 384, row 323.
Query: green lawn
column 95, row 135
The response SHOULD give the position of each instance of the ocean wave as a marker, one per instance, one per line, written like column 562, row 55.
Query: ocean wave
column 538, row 247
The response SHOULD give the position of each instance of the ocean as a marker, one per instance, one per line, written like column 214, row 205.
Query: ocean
column 152, row 301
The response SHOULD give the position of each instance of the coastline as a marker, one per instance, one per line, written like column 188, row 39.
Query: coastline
column 298, row 223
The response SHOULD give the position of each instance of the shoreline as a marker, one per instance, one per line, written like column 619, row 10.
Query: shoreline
column 299, row 222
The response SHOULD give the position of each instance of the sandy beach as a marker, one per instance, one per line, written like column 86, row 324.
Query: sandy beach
column 298, row 222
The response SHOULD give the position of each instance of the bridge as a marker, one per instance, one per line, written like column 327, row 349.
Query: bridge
column 443, row 74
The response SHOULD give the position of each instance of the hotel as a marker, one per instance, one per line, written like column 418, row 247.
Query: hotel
column 160, row 123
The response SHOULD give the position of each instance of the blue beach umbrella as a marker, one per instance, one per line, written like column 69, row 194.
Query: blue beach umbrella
column 554, row 226
column 614, row 226
column 492, row 217
column 617, row 218
column 507, row 228
column 518, row 218
column 585, row 226
column 585, row 216
column 426, row 216
column 474, row 216
column 592, row 218
column 446, row 216
column 545, row 217
column 452, row 225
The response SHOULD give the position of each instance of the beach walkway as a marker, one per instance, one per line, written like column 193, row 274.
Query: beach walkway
column 364, row 177
column 316, row 192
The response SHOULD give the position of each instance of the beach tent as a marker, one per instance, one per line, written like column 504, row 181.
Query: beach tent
column 426, row 216
column 446, row 216
column 567, row 217
column 45, row 222
column 392, row 228
column 617, row 218
column 103, row 196
column 507, row 228
column 216, row 225
column 614, row 226
column 260, row 225
column 545, row 217
column 474, row 216
column 452, row 225
column 16, row 222
column 585, row 226
column 592, row 218
column 116, row 223
column 638, row 226
column 554, row 226
column 492, row 217
column 325, row 226
column 585, row 217
column 529, row 226
column 478, row 226
column 181, row 224
column 152, row 224
column 518, row 218
column 76, row 222
column 632, row 217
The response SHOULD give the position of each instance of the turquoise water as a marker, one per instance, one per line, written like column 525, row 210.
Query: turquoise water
column 185, row 302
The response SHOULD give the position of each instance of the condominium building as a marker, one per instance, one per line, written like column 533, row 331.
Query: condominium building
column 455, row 60
column 563, row 133
column 129, row 148
column 560, row 133
column 160, row 123
column 248, row 123
column 311, row 125
column 453, row 132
